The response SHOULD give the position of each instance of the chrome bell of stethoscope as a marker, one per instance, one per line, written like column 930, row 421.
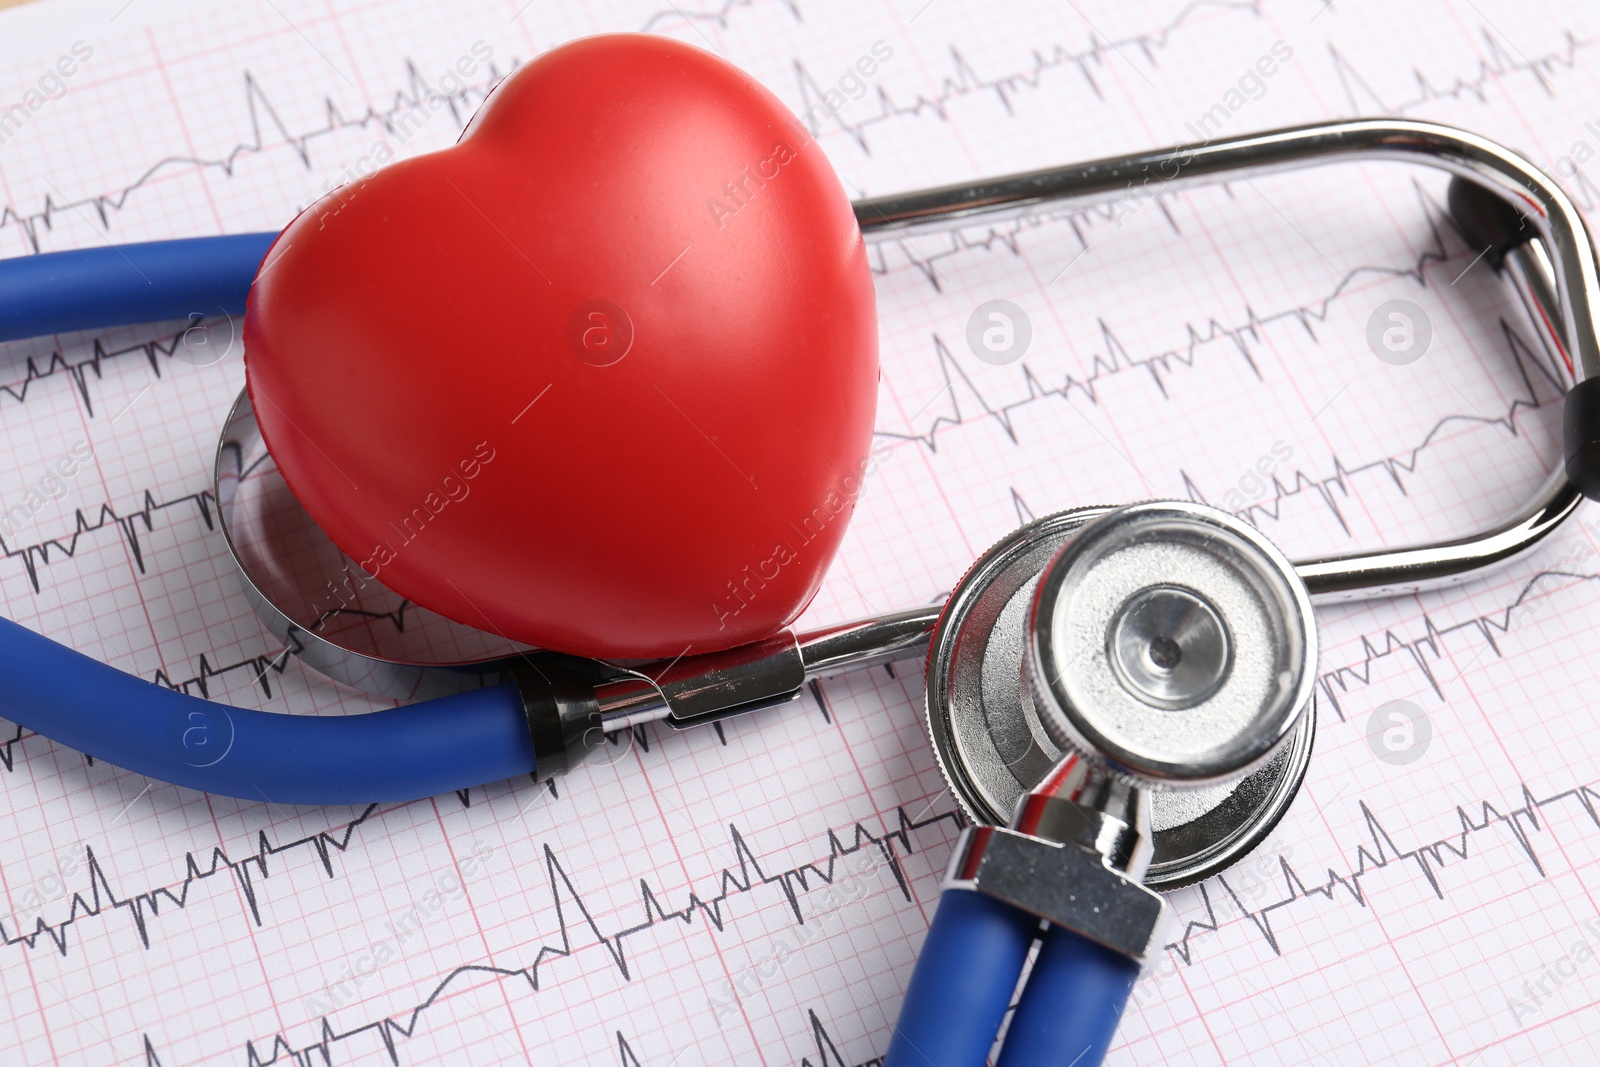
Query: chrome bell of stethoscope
column 1122, row 698
column 1107, row 656
column 1090, row 662
column 1168, row 646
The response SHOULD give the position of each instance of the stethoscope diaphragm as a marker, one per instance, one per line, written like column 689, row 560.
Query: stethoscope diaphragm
column 1211, row 600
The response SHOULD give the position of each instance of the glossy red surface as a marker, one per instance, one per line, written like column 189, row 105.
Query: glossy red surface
column 600, row 377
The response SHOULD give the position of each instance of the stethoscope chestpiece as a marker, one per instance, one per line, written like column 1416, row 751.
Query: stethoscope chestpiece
column 1173, row 643
column 1163, row 649
column 1168, row 645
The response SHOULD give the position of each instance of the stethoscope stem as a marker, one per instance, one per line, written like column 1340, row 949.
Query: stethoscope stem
column 967, row 972
column 959, row 992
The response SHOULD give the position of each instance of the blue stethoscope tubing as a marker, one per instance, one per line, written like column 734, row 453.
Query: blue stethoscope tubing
column 966, row 975
column 976, row 947
column 158, row 281
column 398, row 754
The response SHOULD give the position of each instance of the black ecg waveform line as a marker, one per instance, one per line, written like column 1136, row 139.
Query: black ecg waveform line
column 268, row 130
column 107, row 516
column 78, row 371
column 265, row 121
column 745, row 875
column 8, row 746
column 1494, row 65
column 1423, row 650
column 1541, row 384
column 260, row 666
column 1330, row 489
column 828, row 1054
column 1379, row 852
column 722, row 17
column 1113, row 358
column 147, row 904
column 965, row 81
column 263, row 118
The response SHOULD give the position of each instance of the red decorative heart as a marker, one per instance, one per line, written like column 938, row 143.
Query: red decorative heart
column 600, row 377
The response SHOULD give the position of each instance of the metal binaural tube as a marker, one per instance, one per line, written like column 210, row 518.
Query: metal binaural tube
column 1420, row 569
column 1391, row 572
column 1357, row 576
column 869, row 642
column 1555, row 273
column 638, row 697
column 1142, row 175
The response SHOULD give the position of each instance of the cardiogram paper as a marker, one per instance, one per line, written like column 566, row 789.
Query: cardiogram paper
column 754, row 893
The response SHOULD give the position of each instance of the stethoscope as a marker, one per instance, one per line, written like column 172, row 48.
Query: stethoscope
column 1117, row 696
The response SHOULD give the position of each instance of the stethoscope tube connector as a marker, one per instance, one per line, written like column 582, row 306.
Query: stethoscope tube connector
column 1074, row 857
column 1068, row 870
column 563, row 714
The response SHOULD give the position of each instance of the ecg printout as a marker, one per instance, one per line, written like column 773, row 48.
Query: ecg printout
column 755, row 892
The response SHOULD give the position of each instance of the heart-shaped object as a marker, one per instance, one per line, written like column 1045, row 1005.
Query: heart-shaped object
column 601, row 377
